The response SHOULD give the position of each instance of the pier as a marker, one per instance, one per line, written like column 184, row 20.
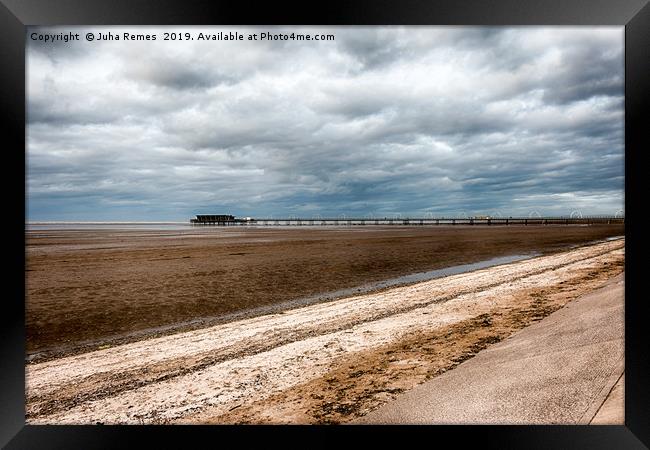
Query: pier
column 221, row 220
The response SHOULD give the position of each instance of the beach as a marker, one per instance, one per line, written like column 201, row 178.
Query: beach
column 325, row 362
column 88, row 288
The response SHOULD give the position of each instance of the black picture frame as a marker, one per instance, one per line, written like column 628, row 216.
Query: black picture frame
column 15, row 15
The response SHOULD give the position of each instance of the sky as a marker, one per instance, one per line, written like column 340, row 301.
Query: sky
column 379, row 122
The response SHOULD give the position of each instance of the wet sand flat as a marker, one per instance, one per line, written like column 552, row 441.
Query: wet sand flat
column 89, row 288
column 323, row 363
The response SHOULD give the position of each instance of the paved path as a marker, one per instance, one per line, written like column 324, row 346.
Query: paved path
column 557, row 371
column 613, row 410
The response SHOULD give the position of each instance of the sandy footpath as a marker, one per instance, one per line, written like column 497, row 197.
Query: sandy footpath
column 257, row 370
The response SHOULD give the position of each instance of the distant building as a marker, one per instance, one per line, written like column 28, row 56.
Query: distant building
column 213, row 218
column 219, row 219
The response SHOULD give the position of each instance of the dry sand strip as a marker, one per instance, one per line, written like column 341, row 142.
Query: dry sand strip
column 558, row 371
column 204, row 375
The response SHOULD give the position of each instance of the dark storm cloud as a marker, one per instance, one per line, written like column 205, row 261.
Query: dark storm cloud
column 580, row 78
column 382, row 121
column 167, row 74
column 374, row 48
column 173, row 73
